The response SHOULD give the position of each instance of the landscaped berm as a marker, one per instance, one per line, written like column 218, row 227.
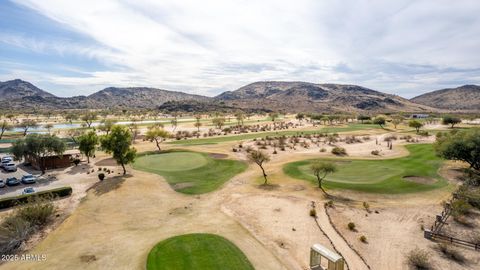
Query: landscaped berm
column 190, row 172
column 197, row 251
column 416, row 172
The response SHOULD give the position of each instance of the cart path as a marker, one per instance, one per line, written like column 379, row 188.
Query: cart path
column 352, row 259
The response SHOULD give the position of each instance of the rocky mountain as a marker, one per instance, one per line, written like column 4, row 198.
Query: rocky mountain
column 22, row 95
column 139, row 97
column 310, row 97
column 17, row 89
column 463, row 98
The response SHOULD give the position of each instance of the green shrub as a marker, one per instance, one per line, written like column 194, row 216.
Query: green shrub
column 375, row 152
column 366, row 206
column 37, row 213
column 419, row 259
column 329, row 203
column 101, row 176
column 351, row 226
column 47, row 194
column 339, row 151
column 363, row 239
column 313, row 212
column 460, row 207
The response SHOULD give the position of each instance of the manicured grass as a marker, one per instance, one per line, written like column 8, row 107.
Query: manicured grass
column 190, row 172
column 197, row 251
column 379, row 176
column 249, row 136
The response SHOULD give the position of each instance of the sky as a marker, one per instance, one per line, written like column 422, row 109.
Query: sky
column 206, row 47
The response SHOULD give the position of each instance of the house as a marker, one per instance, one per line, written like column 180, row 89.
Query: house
column 419, row 115
column 54, row 161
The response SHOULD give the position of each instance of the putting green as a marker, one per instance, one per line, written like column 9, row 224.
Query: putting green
column 173, row 161
column 190, row 172
column 197, row 251
column 380, row 176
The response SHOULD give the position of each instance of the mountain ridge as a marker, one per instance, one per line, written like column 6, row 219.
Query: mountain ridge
column 462, row 98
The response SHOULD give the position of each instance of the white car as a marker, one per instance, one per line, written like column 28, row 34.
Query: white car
column 29, row 179
column 10, row 167
column 2, row 183
column 5, row 162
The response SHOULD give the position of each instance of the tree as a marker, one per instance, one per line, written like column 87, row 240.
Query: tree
column 240, row 116
column 218, row 122
column 158, row 135
column 88, row 118
column 300, row 117
column 415, row 124
column 463, row 146
column 396, row 121
column 106, row 125
column 273, row 116
column 87, row 144
column 38, row 146
column 4, row 126
column 174, row 121
column 320, row 169
column 259, row 157
column 133, row 127
column 379, row 121
column 118, row 143
column 451, row 120
column 26, row 125
column 48, row 126
column 363, row 118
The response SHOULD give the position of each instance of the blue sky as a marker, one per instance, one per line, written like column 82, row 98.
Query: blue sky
column 206, row 47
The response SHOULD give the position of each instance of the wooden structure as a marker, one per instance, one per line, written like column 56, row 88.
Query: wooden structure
column 333, row 261
column 54, row 161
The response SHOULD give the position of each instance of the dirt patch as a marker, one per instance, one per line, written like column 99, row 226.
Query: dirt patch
column 183, row 185
column 269, row 186
column 88, row 258
column 217, row 155
column 106, row 162
column 107, row 185
column 420, row 179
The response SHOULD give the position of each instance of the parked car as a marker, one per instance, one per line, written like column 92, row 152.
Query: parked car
column 10, row 167
column 29, row 179
column 5, row 162
column 12, row 181
column 2, row 183
column 28, row 190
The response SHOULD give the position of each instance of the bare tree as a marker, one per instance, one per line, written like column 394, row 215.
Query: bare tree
column 259, row 157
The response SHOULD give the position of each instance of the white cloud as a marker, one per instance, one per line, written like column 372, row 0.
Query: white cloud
column 208, row 46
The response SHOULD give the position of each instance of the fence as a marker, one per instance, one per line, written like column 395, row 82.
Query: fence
column 440, row 220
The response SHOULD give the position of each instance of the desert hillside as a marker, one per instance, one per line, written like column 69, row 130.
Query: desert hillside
column 466, row 97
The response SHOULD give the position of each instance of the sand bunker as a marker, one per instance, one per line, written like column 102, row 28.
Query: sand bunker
column 420, row 179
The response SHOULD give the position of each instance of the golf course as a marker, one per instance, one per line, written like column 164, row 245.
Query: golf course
column 197, row 251
column 190, row 172
column 414, row 173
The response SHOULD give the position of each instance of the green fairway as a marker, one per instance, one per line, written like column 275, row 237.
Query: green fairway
column 197, row 251
column 190, row 172
column 380, row 176
column 249, row 136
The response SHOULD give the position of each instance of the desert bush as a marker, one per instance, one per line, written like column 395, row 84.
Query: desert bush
column 375, row 152
column 419, row 259
column 351, row 226
column 363, row 239
column 450, row 253
column 37, row 212
column 329, row 204
column 101, row 176
column 352, row 139
column 390, row 138
column 339, row 151
column 424, row 133
column 366, row 205
column 313, row 212
column 76, row 161
column 323, row 150
column 23, row 222
column 460, row 207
